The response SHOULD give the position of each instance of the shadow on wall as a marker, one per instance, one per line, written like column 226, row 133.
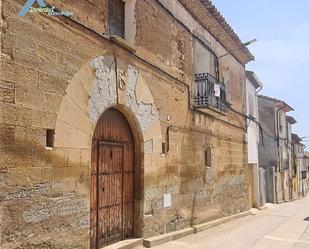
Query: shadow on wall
column 34, row 204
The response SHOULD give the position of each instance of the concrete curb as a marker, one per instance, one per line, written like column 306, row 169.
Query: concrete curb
column 126, row 244
column 164, row 238
column 205, row 226
column 263, row 207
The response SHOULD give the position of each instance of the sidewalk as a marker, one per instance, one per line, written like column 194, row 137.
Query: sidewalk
column 284, row 226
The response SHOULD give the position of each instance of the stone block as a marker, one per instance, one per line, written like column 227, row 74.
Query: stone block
column 79, row 95
column 7, row 135
column 73, row 174
column 18, row 74
column 82, row 188
column 72, row 114
column 48, row 56
column 24, row 116
column 16, row 156
column 7, row 95
column 46, row 175
column 147, row 160
column 52, row 83
column 43, row 119
column 62, row 134
column 22, row 135
column 86, row 77
column 37, row 136
column 52, row 101
column 74, row 157
column 27, row 96
column 10, row 9
column 7, row 85
column 27, row 58
column 24, row 176
column 59, row 157
column 41, row 157
column 68, row 63
column 85, row 157
column 79, row 139
column 154, row 170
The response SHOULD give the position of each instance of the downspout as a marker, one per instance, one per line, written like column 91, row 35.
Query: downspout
column 258, row 198
column 259, row 89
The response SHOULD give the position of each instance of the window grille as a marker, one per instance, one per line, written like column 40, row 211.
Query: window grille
column 116, row 12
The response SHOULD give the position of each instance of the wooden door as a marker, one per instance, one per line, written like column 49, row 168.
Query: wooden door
column 112, row 181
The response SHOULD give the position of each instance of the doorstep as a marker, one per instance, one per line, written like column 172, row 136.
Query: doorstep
column 126, row 244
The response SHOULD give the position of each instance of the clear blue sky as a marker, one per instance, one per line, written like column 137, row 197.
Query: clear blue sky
column 282, row 51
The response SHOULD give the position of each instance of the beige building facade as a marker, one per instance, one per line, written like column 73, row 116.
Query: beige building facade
column 61, row 77
column 300, row 167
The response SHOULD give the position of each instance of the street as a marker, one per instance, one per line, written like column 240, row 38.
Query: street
column 284, row 226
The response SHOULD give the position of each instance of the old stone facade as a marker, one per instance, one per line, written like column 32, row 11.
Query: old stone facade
column 300, row 186
column 60, row 74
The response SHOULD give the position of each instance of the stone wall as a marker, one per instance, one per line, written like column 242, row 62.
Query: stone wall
column 58, row 74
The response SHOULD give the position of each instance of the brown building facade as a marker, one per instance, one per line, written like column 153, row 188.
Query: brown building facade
column 123, row 120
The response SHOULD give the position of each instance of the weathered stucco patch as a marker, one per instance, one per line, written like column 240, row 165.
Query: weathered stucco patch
column 144, row 111
column 103, row 93
column 148, row 146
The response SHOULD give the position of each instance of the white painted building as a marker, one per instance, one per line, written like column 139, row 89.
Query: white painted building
column 253, row 86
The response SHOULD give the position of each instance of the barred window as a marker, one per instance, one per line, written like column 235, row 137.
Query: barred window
column 116, row 10
column 208, row 162
column 50, row 138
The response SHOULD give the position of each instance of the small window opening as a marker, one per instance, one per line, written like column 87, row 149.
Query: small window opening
column 116, row 17
column 208, row 157
column 50, row 138
column 163, row 148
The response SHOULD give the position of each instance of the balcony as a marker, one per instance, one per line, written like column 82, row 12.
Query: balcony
column 210, row 93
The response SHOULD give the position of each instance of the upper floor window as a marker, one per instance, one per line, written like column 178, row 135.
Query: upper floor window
column 116, row 17
column 209, row 91
column 205, row 61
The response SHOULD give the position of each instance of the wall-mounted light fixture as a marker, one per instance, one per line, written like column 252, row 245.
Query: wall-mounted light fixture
column 243, row 46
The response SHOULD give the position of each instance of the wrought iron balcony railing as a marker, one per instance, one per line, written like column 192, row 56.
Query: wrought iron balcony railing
column 210, row 92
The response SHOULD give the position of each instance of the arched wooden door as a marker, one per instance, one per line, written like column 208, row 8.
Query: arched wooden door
column 112, row 180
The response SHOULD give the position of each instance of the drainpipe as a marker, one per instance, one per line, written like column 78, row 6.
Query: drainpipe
column 256, row 180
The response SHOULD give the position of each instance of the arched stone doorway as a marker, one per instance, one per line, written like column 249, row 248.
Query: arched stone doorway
column 112, row 180
column 92, row 92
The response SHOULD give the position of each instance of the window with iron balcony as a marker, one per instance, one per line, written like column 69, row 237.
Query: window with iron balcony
column 209, row 91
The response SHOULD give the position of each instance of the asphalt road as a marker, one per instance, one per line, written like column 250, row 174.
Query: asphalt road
column 283, row 226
